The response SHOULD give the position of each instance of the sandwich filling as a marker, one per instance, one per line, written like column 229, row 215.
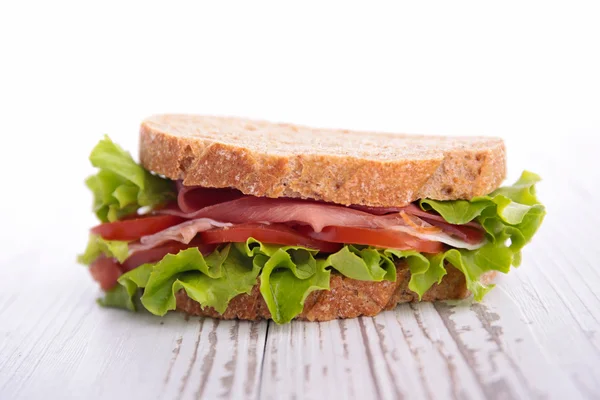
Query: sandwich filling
column 158, row 237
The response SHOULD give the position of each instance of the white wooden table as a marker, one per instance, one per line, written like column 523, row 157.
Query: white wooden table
column 537, row 335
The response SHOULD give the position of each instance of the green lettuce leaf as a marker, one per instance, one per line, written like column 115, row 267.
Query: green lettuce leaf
column 423, row 272
column 363, row 264
column 119, row 297
column 288, row 274
column 122, row 186
column 211, row 280
column 510, row 215
column 97, row 246
column 128, row 294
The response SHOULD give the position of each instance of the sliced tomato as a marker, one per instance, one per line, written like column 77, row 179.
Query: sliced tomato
column 157, row 253
column 105, row 271
column 377, row 237
column 133, row 229
column 271, row 234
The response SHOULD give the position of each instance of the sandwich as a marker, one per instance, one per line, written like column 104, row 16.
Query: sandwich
column 235, row 218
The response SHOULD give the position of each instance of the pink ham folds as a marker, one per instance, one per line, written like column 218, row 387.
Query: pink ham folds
column 207, row 208
column 205, row 218
column 183, row 233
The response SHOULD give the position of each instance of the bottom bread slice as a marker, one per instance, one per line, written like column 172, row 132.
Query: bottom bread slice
column 347, row 298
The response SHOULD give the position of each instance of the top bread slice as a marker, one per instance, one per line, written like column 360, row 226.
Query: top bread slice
column 341, row 166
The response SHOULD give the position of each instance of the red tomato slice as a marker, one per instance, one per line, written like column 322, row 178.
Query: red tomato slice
column 133, row 229
column 271, row 234
column 157, row 253
column 105, row 271
column 378, row 238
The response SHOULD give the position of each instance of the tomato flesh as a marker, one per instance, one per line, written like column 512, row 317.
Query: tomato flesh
column 133, row 229
column 269, row 234
column 377, row 237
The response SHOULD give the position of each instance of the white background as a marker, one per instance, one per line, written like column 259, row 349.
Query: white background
column 70, row 72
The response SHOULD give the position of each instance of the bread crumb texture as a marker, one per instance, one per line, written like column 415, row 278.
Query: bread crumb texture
column 346, row 167
column 347, row 298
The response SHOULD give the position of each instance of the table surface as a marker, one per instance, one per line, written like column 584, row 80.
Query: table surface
column 536, row 335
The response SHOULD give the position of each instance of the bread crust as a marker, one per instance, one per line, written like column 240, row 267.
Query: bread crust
column 347, row 298
column 340, row 166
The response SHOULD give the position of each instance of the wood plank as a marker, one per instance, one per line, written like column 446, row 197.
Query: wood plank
column 551, row 313
column 310, row 360
column 426, row 351
column 534, row 336
column 74, row 349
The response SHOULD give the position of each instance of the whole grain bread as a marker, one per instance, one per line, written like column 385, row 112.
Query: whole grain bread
column 347, row 298
column 341, row 166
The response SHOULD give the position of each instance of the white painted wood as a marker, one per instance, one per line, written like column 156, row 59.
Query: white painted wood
column 537, row 335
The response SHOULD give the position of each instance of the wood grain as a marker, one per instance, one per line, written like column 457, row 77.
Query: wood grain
column 537, row 335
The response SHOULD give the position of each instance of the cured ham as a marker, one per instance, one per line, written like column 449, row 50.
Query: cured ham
column 282, row 210
column 183, row 233
column 194, row 198
column 204, row 218
column 232, row 206
column 105, row 271
column 251, row 209
column 377, row 210
column 469, row 233
column 318, row 216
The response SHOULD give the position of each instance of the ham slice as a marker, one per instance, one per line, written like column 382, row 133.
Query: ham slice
column 317, row 216
column 154, row 254
column 208, row 209
column 194, row 198
column 469, row 233
column 183, row 233
column 251, row 209
column 229, row 205
column 105, row 271
column 191, row 200
column 377, row 210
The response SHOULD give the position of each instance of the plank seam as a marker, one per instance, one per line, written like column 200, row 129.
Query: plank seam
column 262, row 362
column 363, row 333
